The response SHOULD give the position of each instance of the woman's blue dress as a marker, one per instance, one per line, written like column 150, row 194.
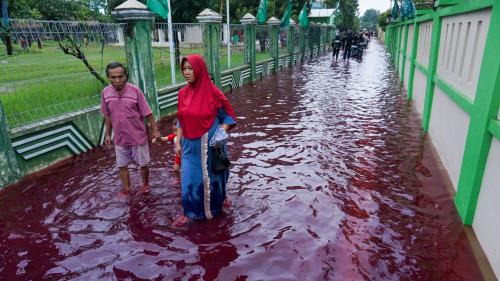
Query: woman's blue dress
column 201, row 200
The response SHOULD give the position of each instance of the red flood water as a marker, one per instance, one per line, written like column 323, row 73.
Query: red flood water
column 331, row 180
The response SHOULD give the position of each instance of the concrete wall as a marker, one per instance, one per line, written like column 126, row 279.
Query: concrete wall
column 463, row 38
column 486, row 222
column 419, row 91
column 424, row 43
column 409, row 45
column 459, row 97
column 448, row 132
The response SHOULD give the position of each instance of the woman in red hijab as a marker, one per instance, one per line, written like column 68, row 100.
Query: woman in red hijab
column 202, row 109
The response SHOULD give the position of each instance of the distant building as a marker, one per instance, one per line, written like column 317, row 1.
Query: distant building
column 317, row 4
column 322, row 15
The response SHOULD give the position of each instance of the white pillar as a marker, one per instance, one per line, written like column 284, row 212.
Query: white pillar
column 161, row 36
column 121, row 40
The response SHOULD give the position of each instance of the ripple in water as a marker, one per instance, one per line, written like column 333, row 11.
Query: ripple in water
column 331, row 180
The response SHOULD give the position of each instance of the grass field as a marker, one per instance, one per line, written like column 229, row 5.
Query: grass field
column 39, row 83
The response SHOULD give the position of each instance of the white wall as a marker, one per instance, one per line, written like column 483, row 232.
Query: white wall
column 407, row 72
column 448, row 130
column 193, row 34
column 487, row 220
column 409, row 45
column 424, row 43
column 463, row 38
column 419, row 84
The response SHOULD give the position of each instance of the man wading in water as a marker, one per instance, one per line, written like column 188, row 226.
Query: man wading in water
column 124, row 108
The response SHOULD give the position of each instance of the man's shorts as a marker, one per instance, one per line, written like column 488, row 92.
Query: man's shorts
column 132, row 153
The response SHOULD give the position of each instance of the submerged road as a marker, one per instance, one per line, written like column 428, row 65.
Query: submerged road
column 331, row 180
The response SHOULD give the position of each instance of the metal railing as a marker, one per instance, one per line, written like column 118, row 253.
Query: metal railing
column 283, row 39
column 237, row 47
column 262, row 43
column 56, row 67
column 187, row 39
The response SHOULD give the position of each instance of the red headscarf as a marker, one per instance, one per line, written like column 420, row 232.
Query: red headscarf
column 200, row 101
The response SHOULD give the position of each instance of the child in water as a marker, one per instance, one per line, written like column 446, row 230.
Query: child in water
column 172, row 138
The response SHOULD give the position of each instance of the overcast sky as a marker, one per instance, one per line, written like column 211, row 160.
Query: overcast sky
column 381, row 5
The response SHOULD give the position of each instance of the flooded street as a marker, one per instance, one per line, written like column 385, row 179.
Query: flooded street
column 331, row 180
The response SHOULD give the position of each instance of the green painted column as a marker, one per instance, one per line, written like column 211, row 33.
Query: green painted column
column 484, row 111
column 211, row 22
column 386, row 41
column 249, row 23
column 302, row 42
column 413, row 58
column 319, row 37
column 325, row 38
column 328, row 37
column 405, row 43
column 9, row 169
column 388, row 37
column 398, row 45
column 274, row 25
column 431, row 71
column 322, row 38
column 394, row 43
column 331, row 34
column 311, row 39
column 326, row 43
column 138, row 49
column 290, row 41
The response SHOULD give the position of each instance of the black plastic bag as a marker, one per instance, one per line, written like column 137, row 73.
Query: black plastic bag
column 220, row 162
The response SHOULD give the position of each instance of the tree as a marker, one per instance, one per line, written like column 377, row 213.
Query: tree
column 57, row 9
column 23, row 9
column 329, row 4
column 424, row 4
column 70, row 47
column 369, row 19
column 347, row 19
column 182, row 11
column 382, row 19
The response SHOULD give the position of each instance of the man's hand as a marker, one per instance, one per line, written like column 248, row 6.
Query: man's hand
column 108, row 142
column 156, row 134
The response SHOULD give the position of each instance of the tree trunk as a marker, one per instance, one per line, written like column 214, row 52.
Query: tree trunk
column 8, row 44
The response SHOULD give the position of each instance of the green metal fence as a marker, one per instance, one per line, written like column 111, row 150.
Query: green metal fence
column 49, row 86
column 187, row 40
column 262, row 46
column 283, row 39
column 232, row 57
column 57, row 67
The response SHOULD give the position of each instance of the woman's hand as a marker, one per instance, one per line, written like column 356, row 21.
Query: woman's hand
column 226, row 127
column 178, row 148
